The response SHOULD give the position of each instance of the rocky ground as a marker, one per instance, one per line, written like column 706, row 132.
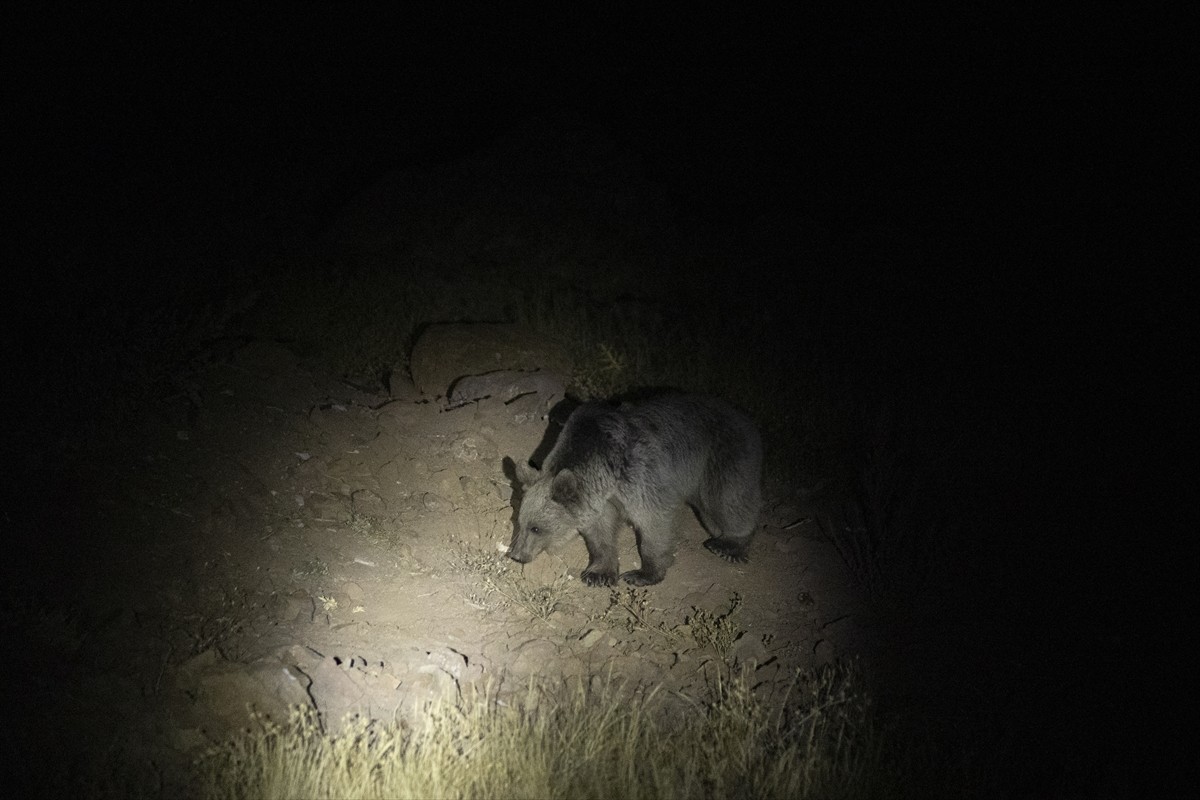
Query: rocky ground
column 276, row 536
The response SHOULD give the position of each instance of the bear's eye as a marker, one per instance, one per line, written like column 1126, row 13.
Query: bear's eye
column 534, row 529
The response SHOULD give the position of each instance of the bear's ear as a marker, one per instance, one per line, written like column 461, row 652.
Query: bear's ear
column 566, row 490
column 527, row 474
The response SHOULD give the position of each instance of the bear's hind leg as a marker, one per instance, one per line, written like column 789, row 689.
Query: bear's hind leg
column 730, row 520
column 656, row 548
column 735, row 550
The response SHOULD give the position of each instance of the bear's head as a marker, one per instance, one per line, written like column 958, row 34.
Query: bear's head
column 551, row 512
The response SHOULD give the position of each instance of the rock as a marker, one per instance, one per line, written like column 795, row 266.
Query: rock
column 435, row 503
column 529, row 408
column 400, row 385
column 344, row 686
column 532, row 656
column 480, row 492
column 220, row 694
column 507, row 385
column 590, row 638
column 470, row 447
column 328, row 507
column 365, row 501
column 446, row 352
column 297, row 606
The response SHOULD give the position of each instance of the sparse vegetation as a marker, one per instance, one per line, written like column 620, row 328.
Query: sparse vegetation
column 208, row 633
column 603, row 374
column 473, row 561
column 716, row 630
column 312, row 567
column 539, row 602
column 890, row 516
column 596, row 739
column 630, row 607
column 503, row 587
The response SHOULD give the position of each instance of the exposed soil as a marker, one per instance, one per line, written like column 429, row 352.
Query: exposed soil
column 277, row 536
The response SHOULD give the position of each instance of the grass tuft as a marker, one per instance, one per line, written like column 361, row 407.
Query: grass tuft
column 602, row 738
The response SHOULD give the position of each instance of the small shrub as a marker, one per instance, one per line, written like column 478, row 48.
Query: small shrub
column 716, row 630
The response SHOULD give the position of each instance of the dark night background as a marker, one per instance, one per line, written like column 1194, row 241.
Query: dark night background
column 970, row 179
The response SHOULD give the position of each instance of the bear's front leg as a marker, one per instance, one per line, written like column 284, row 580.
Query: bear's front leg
column 601, row 540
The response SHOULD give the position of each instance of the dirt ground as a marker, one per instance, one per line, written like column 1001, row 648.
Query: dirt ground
column 277, row 536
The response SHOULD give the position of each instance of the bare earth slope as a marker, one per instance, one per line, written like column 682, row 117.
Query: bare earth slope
column 285, row 538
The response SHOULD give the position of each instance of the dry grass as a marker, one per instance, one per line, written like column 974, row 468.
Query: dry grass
column 600, row 739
